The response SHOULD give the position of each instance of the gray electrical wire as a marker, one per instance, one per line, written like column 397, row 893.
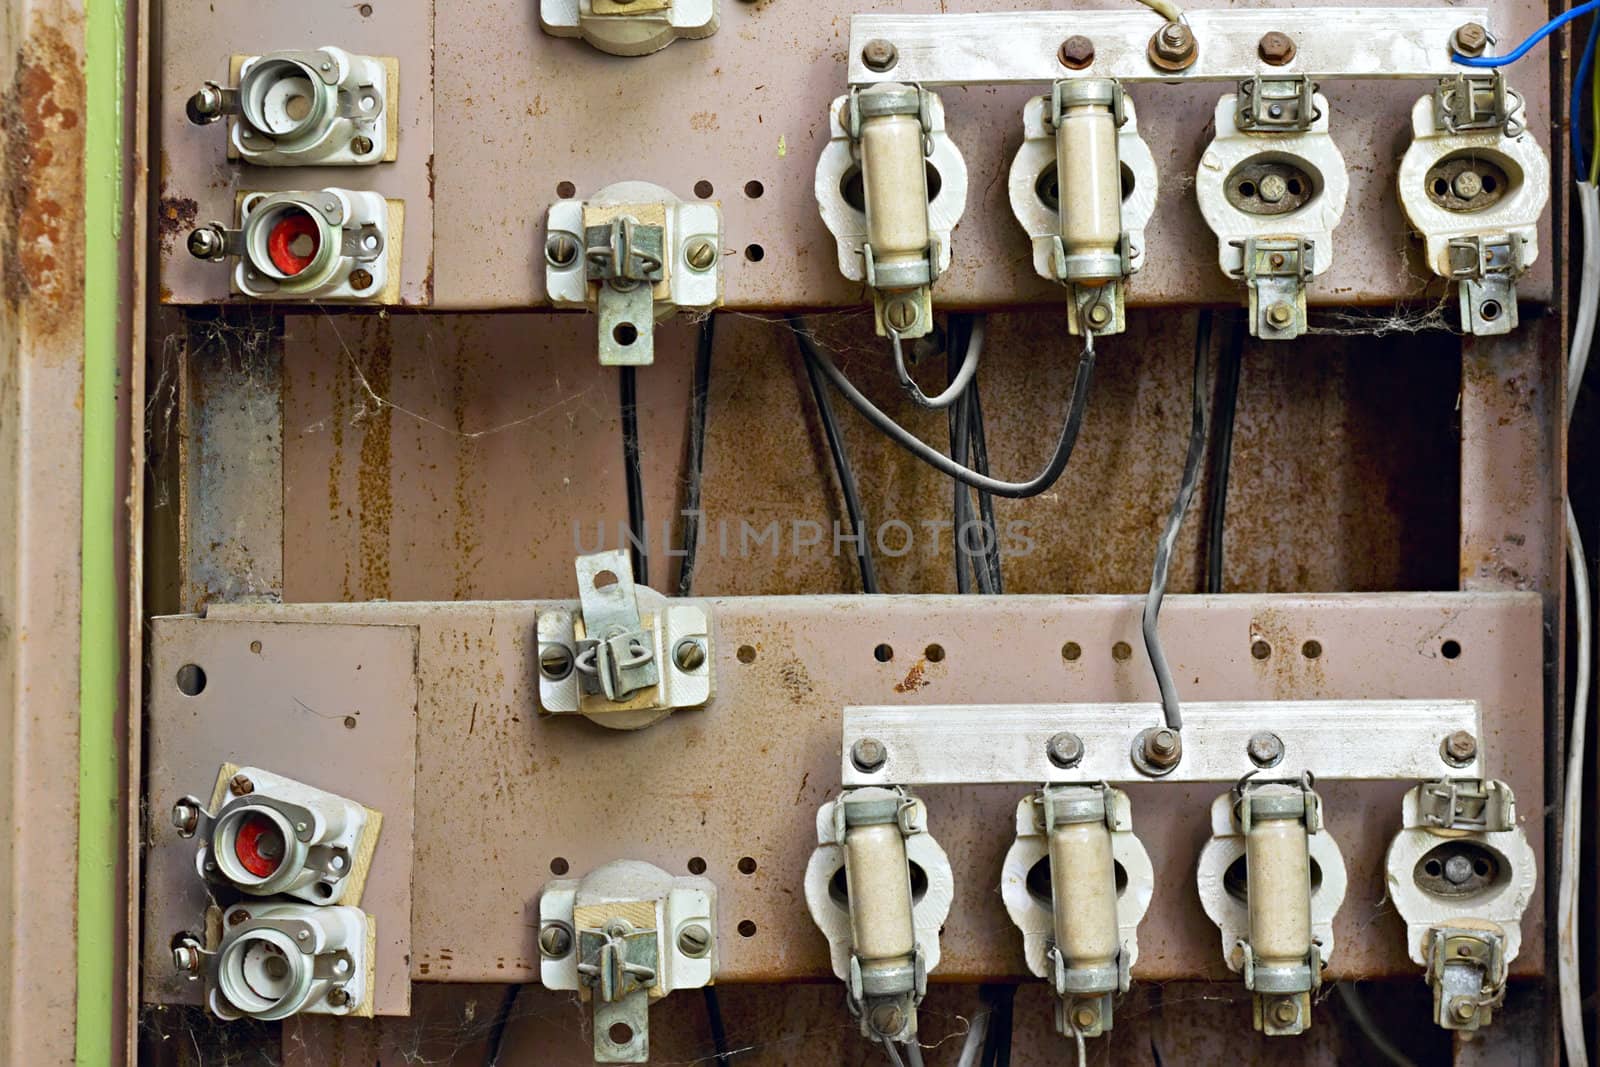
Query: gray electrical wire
column 1169, row 537
column 894, row 1053
column 958, row 384
column 938, row 460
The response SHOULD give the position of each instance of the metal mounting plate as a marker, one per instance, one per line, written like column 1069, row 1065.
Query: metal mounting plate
column 978, row 745
column 1010, row 48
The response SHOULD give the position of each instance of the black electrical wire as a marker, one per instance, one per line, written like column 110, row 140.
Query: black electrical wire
column 637, row 534
column 697, row 453
column 719, row 1035
column 932, row 456
column 980, row 463
column 502, row 1018
column 1228, row 371
column 847, row 479
column 956, row 339
column 1169, row 536
column 997, row 1042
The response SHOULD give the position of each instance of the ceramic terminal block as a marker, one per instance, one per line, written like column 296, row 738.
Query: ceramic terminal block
column 1475, row 191
column 271, row 835
column 1272, row 186
column 326, row 107
column 879, row 888
column 1272, row 878
column 275, row 960
column 1462, row 874
column 623, row 936
column 629, row 27
column 1087, row 228
column 628, row 656
column 891, row 186
column 635, row 254
column 1077, row 882
column 330, row 245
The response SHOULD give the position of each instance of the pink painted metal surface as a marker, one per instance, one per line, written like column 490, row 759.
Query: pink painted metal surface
column 745, row 111
column 198, row 182
column 743, row 777
column 334, row 707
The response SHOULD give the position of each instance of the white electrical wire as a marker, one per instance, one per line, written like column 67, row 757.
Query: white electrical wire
column 1572, row 807
column 1165, row 8
column 972, row 1048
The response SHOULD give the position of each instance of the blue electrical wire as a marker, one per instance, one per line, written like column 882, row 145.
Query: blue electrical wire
column 1580, row 85
column 1526, row 46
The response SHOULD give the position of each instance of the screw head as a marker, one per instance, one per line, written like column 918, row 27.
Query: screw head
column 700, row 254
column 361, row 279
column 1460, row 748
column 1467, row 184
column 1285, row 1011
column 205, row 243
column 555, row 662
column 1085, row 1016
column 690, row 655
column 1077, row 52
column 1265, row 749
column 338, row 996
column 880, row 55
column 361, row 145
column 694, row 940
column 1275, row 48
column 887, row 1019
column 561, row 250
column 1470, row 39
column 238, row 917
column 1279, row 316
column 185, row 818
column 1273, row 188
column 1173, row 47
column 1161, row 748
column 1457, row 870
column 555, row 941
column 240, row 786
column 868, row 754
column 185, row 959
column 1463, row 1009
column 1065, row 749
column 901, row 314
column 1098, row 315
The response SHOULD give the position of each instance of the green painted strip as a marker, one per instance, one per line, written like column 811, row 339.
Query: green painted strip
column 99, row 792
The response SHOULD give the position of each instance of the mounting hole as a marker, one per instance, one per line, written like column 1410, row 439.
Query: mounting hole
column 605, row 579
column 754, row 189
column 704, row 189
column 1312, row 649
column 1121, row 651
column 255, row 646
column 747, row 865
column 755, row 253
column 1451, row 649
column 566, row 190
column 365, row 10
column 883, row 653
column 323, row 890
column 619, row 1034
column 1259, row 649
column 625, row 334
column 747, row 928
column 697, row 865
column 1489, row 310
column 559, row 866
column 1072, row 651
column 747, row 654
column 349, row 722
column 1247, row 188
column 934, row 653
column 1441, row 187
column 1433, row 867
column 191, row 680
column 1489, row 183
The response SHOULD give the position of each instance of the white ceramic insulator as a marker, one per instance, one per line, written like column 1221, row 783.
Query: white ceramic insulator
column 1278, row 861
column 1083, row 881
column 1089, row 182
column 894, row 180
column 879, row 880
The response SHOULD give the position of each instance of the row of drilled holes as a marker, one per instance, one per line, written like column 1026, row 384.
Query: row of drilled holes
column 1072, row 651
column 747, row 865
column 705, row 191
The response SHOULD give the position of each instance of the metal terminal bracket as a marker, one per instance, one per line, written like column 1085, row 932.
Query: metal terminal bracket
column 1474, row 183
column 984, row 744
column 635, row 254
column 1276, row 270
column 629, row 27
column 640, row 935
column 1286, row 104
column 627, row 657
column 1462, row 875
column 274, row 960
column 346, row 232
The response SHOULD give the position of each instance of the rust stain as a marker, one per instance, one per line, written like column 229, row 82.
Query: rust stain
column 374, row 490
column 176, row 217
column 41, row 246
column 915, row 678
column 704, row 121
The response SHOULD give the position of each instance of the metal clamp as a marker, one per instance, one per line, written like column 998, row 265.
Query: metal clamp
column 1276, row 105
column 1276, row 270
column 1467, row 969
column 625, row 252
column 1468, row 804
column 1478, row 101
column 1486, row 268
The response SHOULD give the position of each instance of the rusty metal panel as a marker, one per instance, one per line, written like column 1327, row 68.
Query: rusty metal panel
column 333, row 706
column 198, row 182
column 42, row 113
column 468, row 456
column 743, row 777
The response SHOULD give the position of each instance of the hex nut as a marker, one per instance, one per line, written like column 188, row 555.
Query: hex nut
column 1065, row 749
column 868, row 754
column 880, row 55
column 1275, row 48
column 1278, row 316
column 1173, row 47
column 206, row 243
column 1077, row 52
column 1157, row 750
column 1470, row 39
column 1460, row 748
column 1265, row 749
